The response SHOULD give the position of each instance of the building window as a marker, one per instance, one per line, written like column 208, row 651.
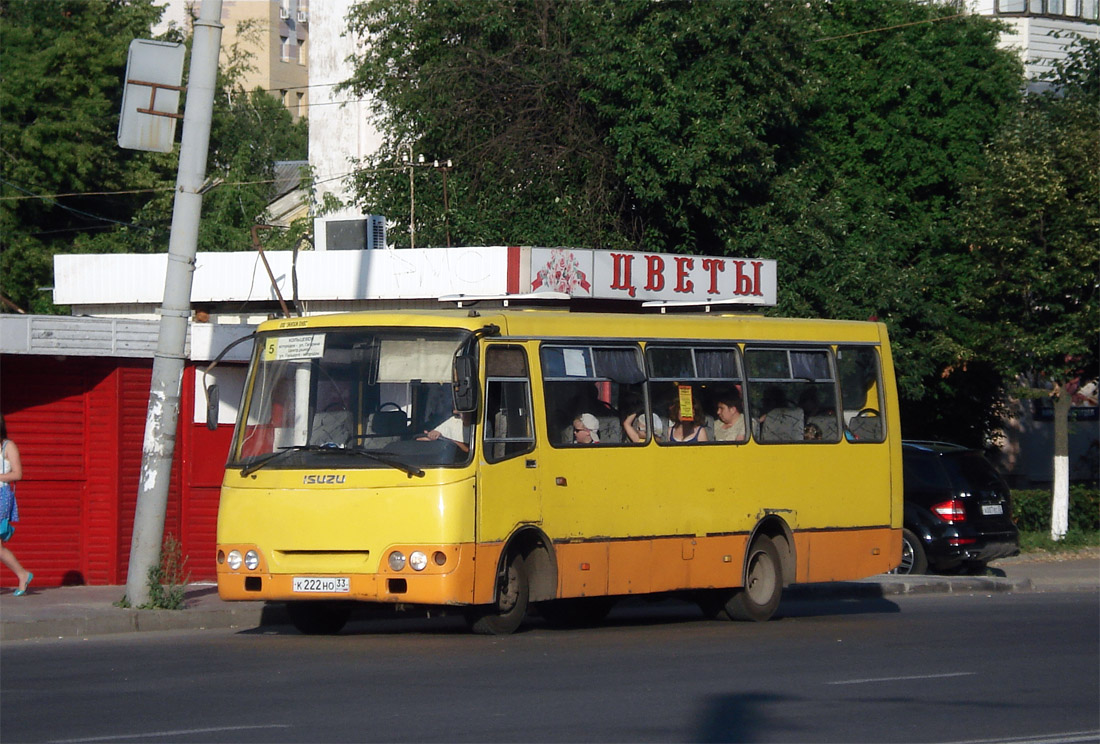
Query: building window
column 286, row 49
column 1084, row 10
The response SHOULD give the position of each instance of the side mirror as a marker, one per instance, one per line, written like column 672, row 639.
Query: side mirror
column 212, row 399
column 465, row 384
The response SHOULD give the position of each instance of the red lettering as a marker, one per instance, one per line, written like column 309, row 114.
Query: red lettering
column 621, row 272
column 655, row 277
column 742, row 284
column 684, row 264
column 715, row 266
column 756, row 266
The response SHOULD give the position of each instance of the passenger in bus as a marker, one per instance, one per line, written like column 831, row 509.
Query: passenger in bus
column 811, row 433
column 690, row 430
column 455, row 429
column 636, row 428
column 730, row 426
column 586, row 429
column 780, row 422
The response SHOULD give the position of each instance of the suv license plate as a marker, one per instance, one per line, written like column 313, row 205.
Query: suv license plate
column 991, row 509
column 331, row 584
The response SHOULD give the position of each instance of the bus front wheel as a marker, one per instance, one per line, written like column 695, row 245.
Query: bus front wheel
column 759, row 598
column 505, row 615
column 319, row 617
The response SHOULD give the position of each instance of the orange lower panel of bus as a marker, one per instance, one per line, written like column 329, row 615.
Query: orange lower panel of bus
column 584, row 568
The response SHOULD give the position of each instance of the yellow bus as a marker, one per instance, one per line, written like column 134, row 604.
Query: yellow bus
column 501, row 461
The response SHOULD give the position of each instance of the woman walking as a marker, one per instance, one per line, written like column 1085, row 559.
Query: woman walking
column 11, row 470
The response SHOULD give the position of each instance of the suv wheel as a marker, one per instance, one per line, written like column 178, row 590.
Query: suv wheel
column 913, row 558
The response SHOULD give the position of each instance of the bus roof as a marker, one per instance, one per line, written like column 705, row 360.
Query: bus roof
column 543, row 323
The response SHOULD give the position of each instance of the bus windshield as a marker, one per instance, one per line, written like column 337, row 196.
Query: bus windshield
column 352, row 398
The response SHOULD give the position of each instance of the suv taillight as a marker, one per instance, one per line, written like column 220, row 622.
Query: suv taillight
column 951, row 511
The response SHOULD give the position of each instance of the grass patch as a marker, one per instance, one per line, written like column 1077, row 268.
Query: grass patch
column 1034, row 541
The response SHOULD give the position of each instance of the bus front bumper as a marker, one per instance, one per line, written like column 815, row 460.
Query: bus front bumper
column 451, row 584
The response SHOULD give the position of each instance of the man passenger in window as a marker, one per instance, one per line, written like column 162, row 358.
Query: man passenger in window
column 586, row 429
column 730, row 426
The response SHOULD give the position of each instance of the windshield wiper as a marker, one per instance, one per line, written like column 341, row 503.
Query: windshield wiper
column 409, row 470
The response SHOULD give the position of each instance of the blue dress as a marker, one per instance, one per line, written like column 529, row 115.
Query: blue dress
column 8, row 508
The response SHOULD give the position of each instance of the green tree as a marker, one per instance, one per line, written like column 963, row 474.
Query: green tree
column 61, row 69
column 834, row 137
column 494, row 87
column 1033, row 232
column 65, row 184
column 865, row 222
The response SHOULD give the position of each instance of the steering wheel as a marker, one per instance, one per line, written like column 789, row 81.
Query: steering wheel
column 867, row 413
column 382, row 407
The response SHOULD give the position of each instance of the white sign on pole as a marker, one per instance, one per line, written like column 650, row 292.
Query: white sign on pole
column 151, row 98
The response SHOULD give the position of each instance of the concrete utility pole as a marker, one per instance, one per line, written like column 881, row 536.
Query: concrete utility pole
column 164, row 393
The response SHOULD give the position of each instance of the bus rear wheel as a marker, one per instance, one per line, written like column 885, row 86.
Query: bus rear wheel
column 759, row 598
column 319, row 618
column 506, row 614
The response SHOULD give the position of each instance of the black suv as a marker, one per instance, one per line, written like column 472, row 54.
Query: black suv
column 957, row 510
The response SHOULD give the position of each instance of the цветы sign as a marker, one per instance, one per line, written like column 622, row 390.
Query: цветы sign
column 657, row 277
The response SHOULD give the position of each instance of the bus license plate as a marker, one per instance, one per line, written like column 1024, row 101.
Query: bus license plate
column 331, row 584
column 991, row 509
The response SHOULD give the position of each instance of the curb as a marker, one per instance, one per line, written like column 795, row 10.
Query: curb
column 900, row 585
column 118, row 620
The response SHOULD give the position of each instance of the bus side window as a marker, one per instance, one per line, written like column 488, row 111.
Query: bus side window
column 508, row 427
column 860, row 392
column 606, row 382
column 793, row 394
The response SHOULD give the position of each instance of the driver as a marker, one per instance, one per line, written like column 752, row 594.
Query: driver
column 455, row 429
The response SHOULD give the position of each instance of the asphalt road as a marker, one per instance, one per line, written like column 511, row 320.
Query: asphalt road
column 1006, row 667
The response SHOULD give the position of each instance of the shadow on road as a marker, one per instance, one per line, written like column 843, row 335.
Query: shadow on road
column 628, row 612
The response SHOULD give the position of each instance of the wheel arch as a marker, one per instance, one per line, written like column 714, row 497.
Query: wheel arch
column 539, row 558
column 779, row 532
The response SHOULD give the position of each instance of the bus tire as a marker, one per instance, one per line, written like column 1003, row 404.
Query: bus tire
column 506, row 614
column 759, row 598
column 319, row 618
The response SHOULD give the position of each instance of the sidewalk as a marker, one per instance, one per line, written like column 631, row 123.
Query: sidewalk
column 81, row 611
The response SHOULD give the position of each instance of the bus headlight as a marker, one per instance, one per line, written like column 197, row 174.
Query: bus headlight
column 251, row 560
column 234, row 559
column 397, row 560
column 418, row 561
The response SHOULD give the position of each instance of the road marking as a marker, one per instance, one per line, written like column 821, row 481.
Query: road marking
column 900, row 679
column 1068, row 737
column 177, row 732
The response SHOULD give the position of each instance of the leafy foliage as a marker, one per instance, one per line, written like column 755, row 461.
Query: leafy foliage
column 1031, row 509
column 61, row 65
column 68, row 187
column 1034, row 228
column 834, row 137
column 866, row 222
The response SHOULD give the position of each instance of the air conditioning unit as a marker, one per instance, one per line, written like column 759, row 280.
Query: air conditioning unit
column 368, row 233
column 284, row 13
column 303, row 16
